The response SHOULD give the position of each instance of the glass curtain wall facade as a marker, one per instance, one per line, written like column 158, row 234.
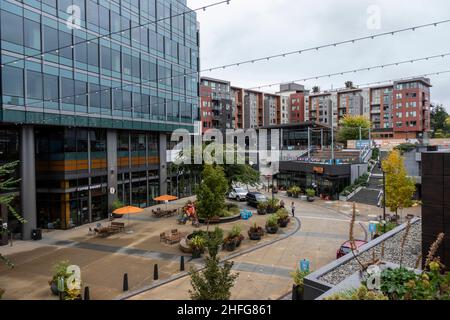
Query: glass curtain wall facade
column 128, row 69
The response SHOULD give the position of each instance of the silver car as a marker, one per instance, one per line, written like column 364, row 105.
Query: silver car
column 238, row 194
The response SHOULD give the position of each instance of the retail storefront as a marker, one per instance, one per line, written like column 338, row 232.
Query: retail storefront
column 326, row 179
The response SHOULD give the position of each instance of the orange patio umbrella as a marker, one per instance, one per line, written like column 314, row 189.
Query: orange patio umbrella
column 127, row 211
column 165, row 198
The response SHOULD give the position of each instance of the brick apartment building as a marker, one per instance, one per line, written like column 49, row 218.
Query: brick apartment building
column 398, row 111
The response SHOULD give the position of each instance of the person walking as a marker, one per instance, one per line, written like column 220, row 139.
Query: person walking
column 293, row 209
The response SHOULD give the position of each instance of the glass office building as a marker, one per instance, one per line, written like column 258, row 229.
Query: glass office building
column 88, row 103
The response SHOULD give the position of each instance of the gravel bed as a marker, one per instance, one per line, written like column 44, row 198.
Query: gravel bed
column 392, row 253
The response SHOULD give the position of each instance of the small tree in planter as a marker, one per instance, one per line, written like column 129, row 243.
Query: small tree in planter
column 262, row 208
column 61, row 271
column 255, row 232
column 233, row 239
column 310, row 193
column 198, row 246
column 215, row 281
column 295, row 191
column 211, row 193
column 297, row 288
column 272, row 224
column 283, row 218
column 273, row 205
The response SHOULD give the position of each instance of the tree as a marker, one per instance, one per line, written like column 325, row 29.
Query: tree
column 215, row 281
column 315, row 89
column 349, row 85
column 349, row 128
column 399, row 187
column 211, row 192
column 438, row 119
column 234, row 173
column 8, row 183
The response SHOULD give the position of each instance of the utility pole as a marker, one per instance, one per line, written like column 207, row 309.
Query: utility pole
column 321, row 138
column 360, row 134
column 309, row 143
column 332, row 141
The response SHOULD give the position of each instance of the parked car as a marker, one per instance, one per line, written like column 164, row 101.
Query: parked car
column 346, row 248
column 254, row 198
column 238, row 194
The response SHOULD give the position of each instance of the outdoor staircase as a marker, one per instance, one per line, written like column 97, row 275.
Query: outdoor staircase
column 371, row 194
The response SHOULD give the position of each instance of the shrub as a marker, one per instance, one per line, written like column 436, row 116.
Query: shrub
column 272, row 221
column 362, row 293
column 235, row 231
column 310, row 192
column 295, row 190
column 282, row 214
column 198, row 242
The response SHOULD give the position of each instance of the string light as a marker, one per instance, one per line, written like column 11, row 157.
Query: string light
column 334, row 44
column 357, row 70
column 124, row 30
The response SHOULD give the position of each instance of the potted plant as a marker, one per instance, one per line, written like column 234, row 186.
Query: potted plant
column 229, row 243
column 198, row 246
column 283, row 218
column 255, row 232
column 262, row 208
column 272, row 224
column 310, row 193
column 236, row 234
column 273, row 205
column 59, row 271
column 297, row 288
column 295, row 191
column 1, row 293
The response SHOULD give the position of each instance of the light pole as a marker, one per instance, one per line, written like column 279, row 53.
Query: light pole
column 384, row 200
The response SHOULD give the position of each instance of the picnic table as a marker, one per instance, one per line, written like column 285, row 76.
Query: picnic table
column 114, row 227
column 164, row 213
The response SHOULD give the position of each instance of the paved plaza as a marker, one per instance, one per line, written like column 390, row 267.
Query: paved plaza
column 264, row 267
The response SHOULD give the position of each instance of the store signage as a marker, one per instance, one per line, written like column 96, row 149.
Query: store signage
column 96, row 186
column 112, row 191
column 318, row 170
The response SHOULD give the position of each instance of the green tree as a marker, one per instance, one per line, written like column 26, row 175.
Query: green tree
column 211, row 192
column 315, row 89
column 349, row 85
column 216, row 280
column 234, row 173
column 399, row 187
column 8, row 183
column 349, row 128
column 438, row 119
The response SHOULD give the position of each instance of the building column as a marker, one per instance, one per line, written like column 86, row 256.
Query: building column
column 111, row 156
column 28, row 181
column 162, row 163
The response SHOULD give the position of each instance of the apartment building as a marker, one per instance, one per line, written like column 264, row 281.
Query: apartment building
column 217, row 110
column 400, row 110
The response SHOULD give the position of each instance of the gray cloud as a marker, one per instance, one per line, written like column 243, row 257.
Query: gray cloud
column 247, row 29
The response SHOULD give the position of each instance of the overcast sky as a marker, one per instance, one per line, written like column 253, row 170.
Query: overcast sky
column 247, row 29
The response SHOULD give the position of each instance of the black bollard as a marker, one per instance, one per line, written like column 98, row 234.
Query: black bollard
column 86, row 294
column 182, row 263
column 125, row 282
column 155, row 272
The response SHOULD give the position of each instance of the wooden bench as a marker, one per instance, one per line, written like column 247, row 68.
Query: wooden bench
column 118, row 225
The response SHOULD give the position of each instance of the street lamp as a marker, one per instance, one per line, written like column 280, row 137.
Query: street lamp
column 384, row 200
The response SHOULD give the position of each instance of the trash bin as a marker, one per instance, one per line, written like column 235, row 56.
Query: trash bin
column 36, row 234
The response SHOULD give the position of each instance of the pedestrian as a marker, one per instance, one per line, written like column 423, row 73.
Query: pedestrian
column 282, row 204
column 293, row 209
